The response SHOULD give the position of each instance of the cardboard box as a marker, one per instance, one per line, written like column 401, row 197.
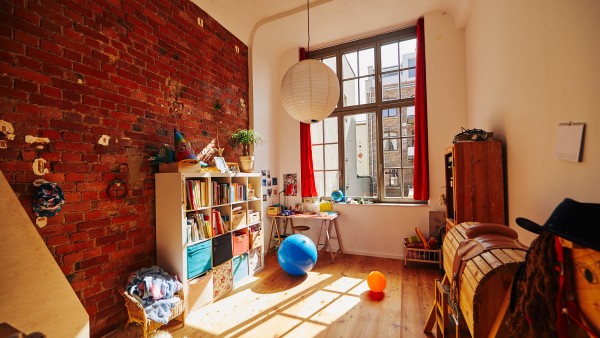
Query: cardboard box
column 238, row 219
column 254, row 217
column 273, row 210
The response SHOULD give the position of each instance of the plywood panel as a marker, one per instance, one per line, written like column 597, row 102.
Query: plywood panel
column 35, row 295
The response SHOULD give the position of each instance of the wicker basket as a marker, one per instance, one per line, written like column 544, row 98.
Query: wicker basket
column 137, row 314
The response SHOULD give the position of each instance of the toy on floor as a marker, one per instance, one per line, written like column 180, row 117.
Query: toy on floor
column 376, row 281
column 297, row 255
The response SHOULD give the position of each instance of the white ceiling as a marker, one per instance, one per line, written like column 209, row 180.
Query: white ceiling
column 244, row 17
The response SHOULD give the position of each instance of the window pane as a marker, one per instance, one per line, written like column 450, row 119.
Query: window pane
column 408, row 49
column 391, row 123
column 317, row 154
column 391, row 155
column 331, row 157
column 390, row 112
column 407, row 85
column 407, row 182
column 330, row 62
column 367, row 89
column 408, row 121
column 412, row 64
column 360, row 155
column 349, row 65
column 332, row 182
column 392, row 183
column 389, row 86
column 316, row 132
column 389, row 56
column 408, row 152
column 331, row 130
column 350, row 88
column 366, row 62
column 320, row 182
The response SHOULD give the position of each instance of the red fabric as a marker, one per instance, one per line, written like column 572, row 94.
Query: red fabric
column 307, row 174
column 421, row 160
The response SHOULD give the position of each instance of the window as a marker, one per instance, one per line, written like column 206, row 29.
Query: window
column 366, row 146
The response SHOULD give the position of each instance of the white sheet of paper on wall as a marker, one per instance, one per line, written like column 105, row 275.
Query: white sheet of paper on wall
column 569, row 141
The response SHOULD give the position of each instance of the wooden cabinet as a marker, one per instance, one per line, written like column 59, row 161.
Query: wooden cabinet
column 202, row 259
column 474, row 176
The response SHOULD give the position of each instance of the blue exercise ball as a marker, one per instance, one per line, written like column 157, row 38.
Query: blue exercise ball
column 297, row 255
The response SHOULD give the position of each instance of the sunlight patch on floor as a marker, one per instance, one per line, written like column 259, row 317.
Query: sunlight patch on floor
column 343, row 284
column 302, row 310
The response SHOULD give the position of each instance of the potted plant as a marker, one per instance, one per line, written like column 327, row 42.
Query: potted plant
column 246, row 138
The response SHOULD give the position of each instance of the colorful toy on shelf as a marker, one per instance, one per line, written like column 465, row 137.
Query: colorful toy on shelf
column 183, row 150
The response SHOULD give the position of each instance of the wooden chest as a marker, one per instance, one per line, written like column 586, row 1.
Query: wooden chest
column 484, row 282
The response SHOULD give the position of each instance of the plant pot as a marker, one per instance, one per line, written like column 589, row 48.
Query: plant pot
column 247, row 164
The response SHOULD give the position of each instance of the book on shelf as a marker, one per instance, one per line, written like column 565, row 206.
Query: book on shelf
column 190, row 223
column 213, row 221
column 225, row 221
column 189, row 195
column 199, row 225
column 203, row 193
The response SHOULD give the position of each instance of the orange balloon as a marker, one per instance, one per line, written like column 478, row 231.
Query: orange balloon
column 376, row 281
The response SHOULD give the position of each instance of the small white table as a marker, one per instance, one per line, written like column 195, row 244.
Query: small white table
column 328, row 225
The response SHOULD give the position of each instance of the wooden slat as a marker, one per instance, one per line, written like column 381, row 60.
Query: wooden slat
column 516, row 255
column 491, row 259
column 502, row 256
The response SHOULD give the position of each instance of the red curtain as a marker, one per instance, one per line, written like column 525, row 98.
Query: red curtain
column 421, row 159
column 307, row 175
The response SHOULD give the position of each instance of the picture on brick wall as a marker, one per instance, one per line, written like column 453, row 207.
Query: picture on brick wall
column 290, row 184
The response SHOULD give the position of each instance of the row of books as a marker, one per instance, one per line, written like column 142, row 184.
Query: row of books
column 201, row 226
column 197, row 194
column 224, row 193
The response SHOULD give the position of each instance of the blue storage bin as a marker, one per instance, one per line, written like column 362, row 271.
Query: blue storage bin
column 240, row 267
column 199, row 258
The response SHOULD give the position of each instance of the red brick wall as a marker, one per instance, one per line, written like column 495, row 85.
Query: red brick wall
column 72, row 71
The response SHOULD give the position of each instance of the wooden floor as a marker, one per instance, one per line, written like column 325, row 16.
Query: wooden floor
column 332, row 300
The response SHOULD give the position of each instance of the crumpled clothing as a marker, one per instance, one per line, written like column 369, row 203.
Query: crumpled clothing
column 155, row 290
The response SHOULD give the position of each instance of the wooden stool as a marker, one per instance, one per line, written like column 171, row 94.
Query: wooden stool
column 297, row 229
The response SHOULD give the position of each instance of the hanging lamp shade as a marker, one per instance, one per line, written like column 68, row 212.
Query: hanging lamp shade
column 310, row 91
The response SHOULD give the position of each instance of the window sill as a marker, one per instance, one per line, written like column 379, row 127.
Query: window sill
column 385, row 204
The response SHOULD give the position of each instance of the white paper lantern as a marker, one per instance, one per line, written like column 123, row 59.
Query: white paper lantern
column 310, row 91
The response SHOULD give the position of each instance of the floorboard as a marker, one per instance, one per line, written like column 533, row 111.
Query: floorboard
column 332, row 300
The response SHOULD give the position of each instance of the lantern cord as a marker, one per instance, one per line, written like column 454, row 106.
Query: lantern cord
column 308, row 26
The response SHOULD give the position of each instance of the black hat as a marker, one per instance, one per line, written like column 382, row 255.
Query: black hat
column 571, row 220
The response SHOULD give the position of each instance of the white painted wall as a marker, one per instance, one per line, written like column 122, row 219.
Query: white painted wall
column 376, row 230
column 530, row 66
